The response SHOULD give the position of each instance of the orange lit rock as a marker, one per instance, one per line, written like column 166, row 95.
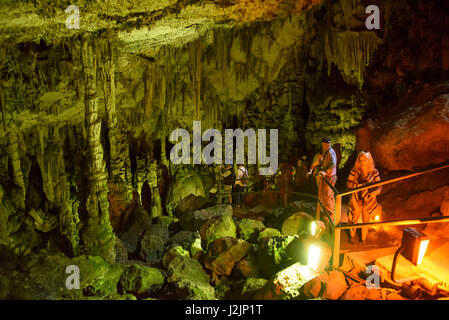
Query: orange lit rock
column 413, row 138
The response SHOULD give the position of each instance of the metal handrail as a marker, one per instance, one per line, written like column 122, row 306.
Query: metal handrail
column 388, row 181
column 339, row 196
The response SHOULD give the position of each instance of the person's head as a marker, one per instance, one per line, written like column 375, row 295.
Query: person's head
column 365, row 162
column 325, row 143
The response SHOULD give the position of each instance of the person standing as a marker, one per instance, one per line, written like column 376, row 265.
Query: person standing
column 226, row 179
column 363, row 203
column 240, row 184
column 325, row 167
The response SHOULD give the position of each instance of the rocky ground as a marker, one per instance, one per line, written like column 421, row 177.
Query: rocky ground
column 215, row 252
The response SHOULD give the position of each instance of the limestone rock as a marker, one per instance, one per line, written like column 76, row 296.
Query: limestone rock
column 298, row 223
column 121, row 254
column 189, row 279
column 173, row 252
column 413, row 138
column 217, row 228
column 333, row 284
column 246, row 268
column 444, row 208
column 355, row 293
column 186, row 182
column 246, row 289
column 224, row 253
column 152, row 244
column 268, row 233
column 141, row 279
column 272, row 254
column 133, row 229
column 193, row 220
column 248, row 229
column 285, row 285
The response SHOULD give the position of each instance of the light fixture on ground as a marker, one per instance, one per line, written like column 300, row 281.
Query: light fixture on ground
column 413, row 248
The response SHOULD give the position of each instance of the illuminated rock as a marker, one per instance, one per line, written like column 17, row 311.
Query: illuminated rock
column 224, row 253
column 141, row 279
column 217, row 228
column 248, row 229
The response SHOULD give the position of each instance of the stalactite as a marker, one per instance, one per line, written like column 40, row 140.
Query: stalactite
column 196, row 66
column 351, row 52
column 98, row 236
column 149, row 76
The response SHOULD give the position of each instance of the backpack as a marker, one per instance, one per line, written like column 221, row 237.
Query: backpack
column 244, row 178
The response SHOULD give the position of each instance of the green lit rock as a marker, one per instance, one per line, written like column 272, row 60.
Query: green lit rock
column 111, row 280
column 186, row 182
column 285, row 284
column 194, row 219
column 248, row 229
column 4, row 286
column 277, row 217
column 246, row 289
column 47, row 275
column 189, row 279
column 141, row 279
column 170, row 254
column 224, row 253
column 152, row 244
column 297, row 223
column 248, row 267
column 272, row 254
column 190, row 241
column 268, row 233
column 43, row 221
column 218, row 228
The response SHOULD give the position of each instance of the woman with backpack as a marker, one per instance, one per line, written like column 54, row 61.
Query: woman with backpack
column 241, row 181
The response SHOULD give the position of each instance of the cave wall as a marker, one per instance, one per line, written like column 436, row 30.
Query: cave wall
column 65, row 145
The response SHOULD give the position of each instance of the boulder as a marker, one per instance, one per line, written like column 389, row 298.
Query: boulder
column 5, row 285
column 109, row 285
column 173, row 252
column 217, row 228
column 138, row 279
column 277, row 217
column 355, row 293
column 190, row 241
column 189, row 279
column 413, row 138
column 246, row 289
column 286, row 284
column 191, row 203
column 333, row 284
column 272, row 254
column 46, row 275
column 298, row 223
column 268, row 233
column 224, row 253
column 246, row 268
column 152, row 244
column 193, row 220
column 248, row 229
column 186, row 182
column 121, row 254
column 134, row 227
column 444, row 208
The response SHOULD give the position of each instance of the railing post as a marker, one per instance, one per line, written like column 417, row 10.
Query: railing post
column 318, row 207
column 336, row 254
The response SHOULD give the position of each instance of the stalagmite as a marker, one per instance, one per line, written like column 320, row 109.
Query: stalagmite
column 98, row 237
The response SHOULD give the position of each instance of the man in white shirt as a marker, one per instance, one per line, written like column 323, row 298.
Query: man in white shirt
column 240, row 185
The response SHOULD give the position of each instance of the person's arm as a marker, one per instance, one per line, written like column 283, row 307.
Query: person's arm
column 332, row 161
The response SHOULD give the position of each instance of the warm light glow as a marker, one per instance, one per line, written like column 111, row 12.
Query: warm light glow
column 422, row 251
column 376, row 218
column 314, row 256
column 313, row 228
